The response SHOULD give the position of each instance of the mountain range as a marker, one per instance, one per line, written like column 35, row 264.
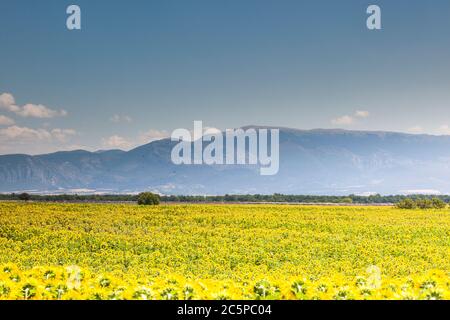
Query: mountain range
column 328, row 162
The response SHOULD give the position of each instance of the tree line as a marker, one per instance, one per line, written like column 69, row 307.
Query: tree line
column 255, row 198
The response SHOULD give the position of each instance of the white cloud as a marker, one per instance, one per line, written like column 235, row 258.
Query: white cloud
column 116, row 142
column 121, row 118
column 7, row 102
column 62, row 134
column 16, row 139
column 444, row 130
column 39, row 111
column 153, row 135
column 421, row 191
column 119, row 142
column 211, row 130
column 5, row 121
column 415, row 129
column 366, row 193
column 16, row 134
column 347, row 120
column 23, row 134
column 343, row 121
column 362, row 114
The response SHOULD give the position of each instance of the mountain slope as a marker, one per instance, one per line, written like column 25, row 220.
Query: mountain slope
column 311, row 162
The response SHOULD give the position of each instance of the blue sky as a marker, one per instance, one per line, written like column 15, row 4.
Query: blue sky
column 139, row 69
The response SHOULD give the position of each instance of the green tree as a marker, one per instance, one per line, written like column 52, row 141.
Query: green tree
column 406, row 204
column 24, row 197
column 421, row 203
column 148, row 199
column 347, row 200
column 438, row 203
column 424, row 203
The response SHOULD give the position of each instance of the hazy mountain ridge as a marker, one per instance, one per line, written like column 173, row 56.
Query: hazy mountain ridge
column 311, row 162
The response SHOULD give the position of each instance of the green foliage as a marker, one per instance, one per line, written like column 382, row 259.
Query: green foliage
column 424, row 204
column 148, row 199
column 24, row 197
column 347, row 200
column 437, row 201
column 406, row 204
column 433, row 203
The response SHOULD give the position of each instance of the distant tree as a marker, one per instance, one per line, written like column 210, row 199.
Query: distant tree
column 24, row 197
column 148, row 199
column 421, row 203
column 438, row 203
column 347, row 200
column 424, row 203
column 406, row 204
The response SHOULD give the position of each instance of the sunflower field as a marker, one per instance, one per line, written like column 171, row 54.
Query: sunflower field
column 113, row 251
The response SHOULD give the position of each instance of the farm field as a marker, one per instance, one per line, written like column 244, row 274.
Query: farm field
column 114, row 251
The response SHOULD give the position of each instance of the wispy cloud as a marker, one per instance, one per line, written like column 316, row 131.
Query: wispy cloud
column 443, row 130
column 121, row 119
column 16, row 134
column 19, row 139
column 23, row 134
column 7, row 100
column 415, row 129
column 6, row 121
column 153, row 135
column 362, row 114
column 116, row 142
column 343, row 121
column 62, row 135
column 39, row 111
column 421, row 191
column 8, row 103
column 347, row 120
column 119, row 142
